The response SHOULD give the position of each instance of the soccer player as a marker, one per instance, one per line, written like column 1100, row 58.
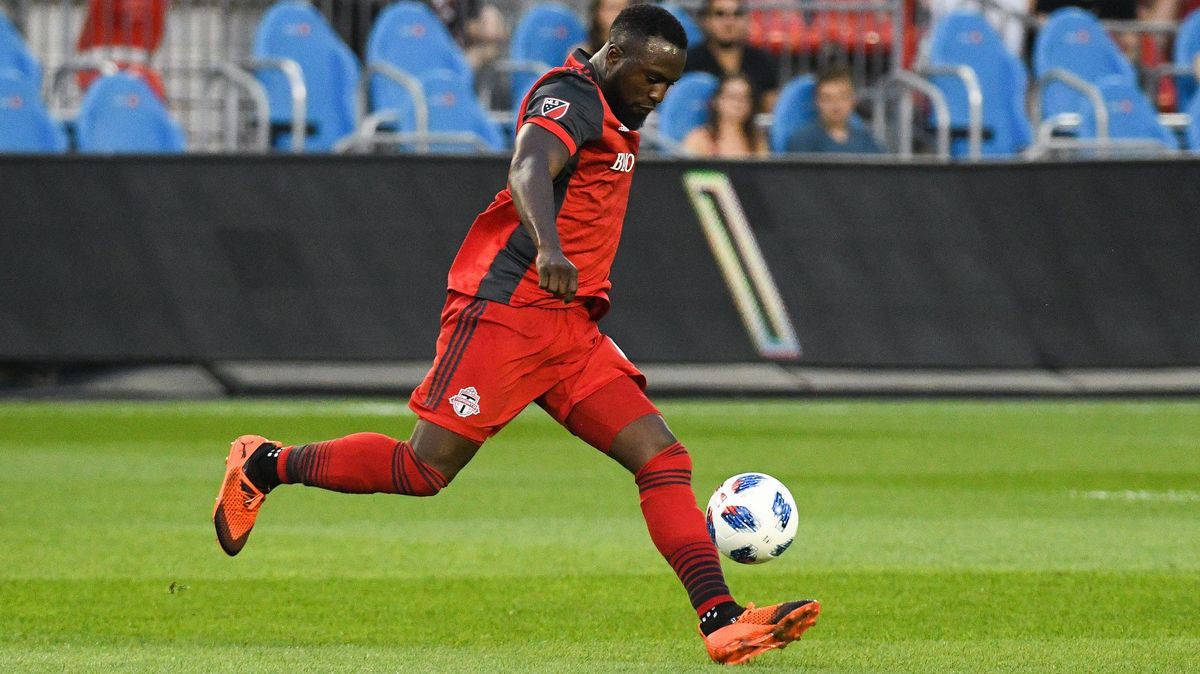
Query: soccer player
column 519, row 326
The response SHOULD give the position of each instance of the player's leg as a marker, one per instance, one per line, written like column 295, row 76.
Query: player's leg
column 620, row 421
column 480, row 380
column 360, row 463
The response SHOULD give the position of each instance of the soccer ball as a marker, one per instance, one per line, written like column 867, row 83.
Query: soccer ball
column 751, row 518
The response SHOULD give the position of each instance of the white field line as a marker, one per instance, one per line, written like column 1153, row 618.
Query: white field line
column 281, row 408
column 1131, row 495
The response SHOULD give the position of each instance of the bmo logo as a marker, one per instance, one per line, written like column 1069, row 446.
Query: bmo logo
column 14, row 102
column 412, row 30
column 971, row 37
column 1078, row 37
column 624, row 162
column 298, row 30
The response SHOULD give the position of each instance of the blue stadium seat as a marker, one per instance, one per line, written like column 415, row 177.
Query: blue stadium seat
column 24, row 124
column 695, row 35
column 454, row 107
column 408, row 36
column 966, row 38
column 794, row 108
column 1130, row 114
column 545, row 32
column 1187, row 45
column 686, row 105
column 294, row 29
column 120, row 113
column 1074, row 40
column 15, row 55
column 1193, row 129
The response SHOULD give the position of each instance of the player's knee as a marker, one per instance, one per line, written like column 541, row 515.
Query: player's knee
column 673, row 465
column 641, row 441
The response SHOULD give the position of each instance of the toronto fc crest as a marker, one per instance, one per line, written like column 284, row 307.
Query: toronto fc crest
column 465, row 402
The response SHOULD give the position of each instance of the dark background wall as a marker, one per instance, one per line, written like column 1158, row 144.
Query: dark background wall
column 201, row 259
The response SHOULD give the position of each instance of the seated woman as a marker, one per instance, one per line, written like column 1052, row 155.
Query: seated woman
column 730, row 132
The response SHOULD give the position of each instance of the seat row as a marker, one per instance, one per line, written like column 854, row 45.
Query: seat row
column 1084, row 87
column 119, row 113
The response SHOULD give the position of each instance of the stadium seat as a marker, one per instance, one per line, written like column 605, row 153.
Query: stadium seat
column 121, row 113
column 24, row 124
column 545, row 33
column 695, row 35
column 686, row 105
column 294, row 29
column 966, row 38
column 794, row 108
column 409, row 37
column 453, row 107
column 1073, row 40
column 869, row 31
column 778, row 31
column 15, row 54
column 1187, row 46
column 1130, row 114
column 1193, row 128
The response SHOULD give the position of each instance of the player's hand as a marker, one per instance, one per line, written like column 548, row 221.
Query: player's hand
column 556, row 274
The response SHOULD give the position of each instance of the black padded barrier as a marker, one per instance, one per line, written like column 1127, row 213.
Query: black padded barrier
column 205, row 258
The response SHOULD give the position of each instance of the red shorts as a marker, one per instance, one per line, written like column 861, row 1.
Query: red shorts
column 493, row 360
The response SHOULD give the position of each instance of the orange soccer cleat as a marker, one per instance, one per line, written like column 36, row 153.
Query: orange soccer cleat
column 239, row 500
column 758, row 630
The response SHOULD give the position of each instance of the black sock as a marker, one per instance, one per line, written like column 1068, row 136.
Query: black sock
column 719, row 616
column 260, row 467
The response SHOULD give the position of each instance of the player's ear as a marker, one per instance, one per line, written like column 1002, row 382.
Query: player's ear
column 614, row 55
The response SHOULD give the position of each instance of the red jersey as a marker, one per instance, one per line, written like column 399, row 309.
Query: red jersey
column 496, row 261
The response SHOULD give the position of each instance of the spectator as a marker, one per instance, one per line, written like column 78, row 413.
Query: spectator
column 457, row 15
column 487, row 38
column 832, row 131
column 600, row 17
column 730, row 132
column 725, row 52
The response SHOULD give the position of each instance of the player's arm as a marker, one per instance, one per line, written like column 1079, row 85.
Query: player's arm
column 538, row 158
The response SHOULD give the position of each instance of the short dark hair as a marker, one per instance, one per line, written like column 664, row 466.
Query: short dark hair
column 834, row 74
column 642, row 22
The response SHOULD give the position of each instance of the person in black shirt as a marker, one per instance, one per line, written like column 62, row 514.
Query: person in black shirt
column 724, row 51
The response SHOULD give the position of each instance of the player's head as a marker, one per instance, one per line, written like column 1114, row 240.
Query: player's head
column 835, row 97
column 644, row 56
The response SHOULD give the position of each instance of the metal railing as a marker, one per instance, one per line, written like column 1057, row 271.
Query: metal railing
column 906, row 83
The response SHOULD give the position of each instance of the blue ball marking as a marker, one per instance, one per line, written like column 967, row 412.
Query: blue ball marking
column 747, row 481
column 744, row 554
column 782, row 510
column 781, row 547
column 739, row 518
column 712, row 530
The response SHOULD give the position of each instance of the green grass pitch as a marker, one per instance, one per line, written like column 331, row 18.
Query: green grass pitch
column 1041, row 536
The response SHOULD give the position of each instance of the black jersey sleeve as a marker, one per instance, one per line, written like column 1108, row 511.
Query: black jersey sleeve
column 569, row 106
